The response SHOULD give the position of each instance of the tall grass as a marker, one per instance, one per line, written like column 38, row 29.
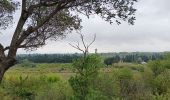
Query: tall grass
column 121, row 82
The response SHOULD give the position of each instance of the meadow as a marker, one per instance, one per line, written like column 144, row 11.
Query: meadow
column 119, row 81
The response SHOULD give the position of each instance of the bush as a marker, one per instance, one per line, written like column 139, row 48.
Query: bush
column 162, row 82
column 27, row 63
column 87, row 70
column 55, row 91
column 40, row 87
column 106, row 86
column 130, row 85
column 157, row 67
column 96, row 95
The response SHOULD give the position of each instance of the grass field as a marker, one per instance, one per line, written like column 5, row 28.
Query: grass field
column 64, row 71
column 114, row 82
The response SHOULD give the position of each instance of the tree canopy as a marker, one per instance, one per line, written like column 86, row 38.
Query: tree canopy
column 45, row 19
column 6, row 12
column 41, row 20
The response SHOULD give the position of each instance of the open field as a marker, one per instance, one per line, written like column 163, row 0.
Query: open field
column 115, row 82
column 63, row 70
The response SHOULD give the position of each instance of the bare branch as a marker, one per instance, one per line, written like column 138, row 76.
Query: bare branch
column 82, row 39
column 85, row 50
column 76, row 47
column 92, row 41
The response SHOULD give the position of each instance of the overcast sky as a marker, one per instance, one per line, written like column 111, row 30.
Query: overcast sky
column 151, row 32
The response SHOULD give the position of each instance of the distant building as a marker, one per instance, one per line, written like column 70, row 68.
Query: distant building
column 143, row 63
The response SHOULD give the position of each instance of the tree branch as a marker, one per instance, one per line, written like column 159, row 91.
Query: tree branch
column 82, row 39
column 18, row 30
column 2, row 54
column 23, row 4
column 76, row 47
column 92, row 41
column 25, row 46
column 86, row 47
column 45, row 4
column 33, row 29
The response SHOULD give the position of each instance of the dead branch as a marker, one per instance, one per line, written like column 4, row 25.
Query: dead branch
column 85, row 50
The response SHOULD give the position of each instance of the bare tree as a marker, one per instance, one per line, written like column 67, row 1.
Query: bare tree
column 41, row 20
column 84, row 50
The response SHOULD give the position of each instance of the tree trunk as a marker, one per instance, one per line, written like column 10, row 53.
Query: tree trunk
column 2, row 72
column 4, row 66
column 5, row 62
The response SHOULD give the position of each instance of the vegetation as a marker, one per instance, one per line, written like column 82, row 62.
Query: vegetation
column 127, row 76
column 123, row 81
column 134, row 57
column 108, row 58
column 87, row 70
column 48, row 58
column 30, row 87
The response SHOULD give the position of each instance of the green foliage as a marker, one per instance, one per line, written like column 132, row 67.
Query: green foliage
column 167, row 55
column 18, row 87
column 49, row 78
column 49, row 58
column 87, row 70
column 133, row 66
column 6, row 5
column 162, row 82
column 96, row 95
column 160, row 97
column 124, row 81
column 106, row 86
column 108, row 58
column 111, row 60
column 130, row 85
column 40, row 87
column 88, row 65
column 133, row 57
column 156, row 67
column 125, row 73
column 56, row 91
column 159, row 66
column 27, row 63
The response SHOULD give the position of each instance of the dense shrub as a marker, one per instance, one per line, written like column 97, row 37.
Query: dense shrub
column 27, row 63
column 41, row 87
column 87, row 70
column 157, row 67
column 162, row 82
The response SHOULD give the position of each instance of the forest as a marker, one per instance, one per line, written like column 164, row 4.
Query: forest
column 109, row 58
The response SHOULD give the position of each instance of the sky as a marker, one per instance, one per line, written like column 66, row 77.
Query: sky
column 151, row 32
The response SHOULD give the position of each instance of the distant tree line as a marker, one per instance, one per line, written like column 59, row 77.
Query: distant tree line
column 135, row 57
column 48, row 58
column 108, row 58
